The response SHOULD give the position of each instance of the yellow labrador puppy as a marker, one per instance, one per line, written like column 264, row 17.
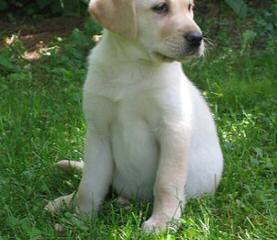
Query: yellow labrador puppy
column 150, row 132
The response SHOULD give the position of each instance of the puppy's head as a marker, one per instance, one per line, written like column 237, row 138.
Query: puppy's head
column 165, row 28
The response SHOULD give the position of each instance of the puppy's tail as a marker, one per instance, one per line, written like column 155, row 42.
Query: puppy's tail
column 69, row 165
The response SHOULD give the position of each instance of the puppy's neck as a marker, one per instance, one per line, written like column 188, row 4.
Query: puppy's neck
column 126, row 50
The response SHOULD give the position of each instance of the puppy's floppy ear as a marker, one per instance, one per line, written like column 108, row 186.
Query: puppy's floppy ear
column 116, row 15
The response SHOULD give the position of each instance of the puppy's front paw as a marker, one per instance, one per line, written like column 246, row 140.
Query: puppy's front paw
column 59, row 204
column 155, row 224
column 51, row 207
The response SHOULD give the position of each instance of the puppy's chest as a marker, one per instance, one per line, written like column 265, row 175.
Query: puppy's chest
column 120, row 99
column 131, row 125
column 122, row 88
column 121, row 81
column 137, row 112
column 133, row 136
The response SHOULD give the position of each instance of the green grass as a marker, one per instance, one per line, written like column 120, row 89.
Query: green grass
column 41, row 122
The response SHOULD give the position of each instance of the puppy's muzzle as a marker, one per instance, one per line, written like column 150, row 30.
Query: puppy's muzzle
column 194, row 39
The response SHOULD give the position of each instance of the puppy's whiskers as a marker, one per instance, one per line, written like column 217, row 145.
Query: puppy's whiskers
column 208, row 42
column 209, row 45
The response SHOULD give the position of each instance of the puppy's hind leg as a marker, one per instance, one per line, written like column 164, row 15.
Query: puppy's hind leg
column 69, row 165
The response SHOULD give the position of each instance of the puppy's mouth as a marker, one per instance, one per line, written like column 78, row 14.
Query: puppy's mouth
column 187, row 54
column 164, row 58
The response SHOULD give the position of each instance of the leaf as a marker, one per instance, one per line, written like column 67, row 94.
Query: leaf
column 6, row 64
column 3, row 5
column 71, row 8
column 239, row 7
column 12, row 221
column 43, row 3
column 34, row 233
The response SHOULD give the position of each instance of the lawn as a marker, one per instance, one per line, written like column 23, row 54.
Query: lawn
column 41, row 122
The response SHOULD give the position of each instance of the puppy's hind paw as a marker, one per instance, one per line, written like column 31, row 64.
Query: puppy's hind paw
column 123, row 201
column 68, row 165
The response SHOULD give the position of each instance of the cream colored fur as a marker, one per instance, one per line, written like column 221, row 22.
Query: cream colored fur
column 150, row 132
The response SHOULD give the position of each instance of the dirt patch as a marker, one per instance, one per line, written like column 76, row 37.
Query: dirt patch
column 39, row 32
column 36, row 35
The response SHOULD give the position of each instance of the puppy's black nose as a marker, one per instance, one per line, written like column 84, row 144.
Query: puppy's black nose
column 194, row 38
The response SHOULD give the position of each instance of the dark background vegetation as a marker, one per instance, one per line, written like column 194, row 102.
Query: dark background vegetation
column 246, row 21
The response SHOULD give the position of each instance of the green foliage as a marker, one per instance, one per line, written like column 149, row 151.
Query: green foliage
column 238, row 6
column 3, row 5
column 248, row 38
column 54, row 7
column 265, row 21
column 78, row 7
column 10, row 58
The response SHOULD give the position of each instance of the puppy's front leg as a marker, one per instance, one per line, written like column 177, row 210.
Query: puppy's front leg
column 97, row 173
column 171, row 177
column 97, row 176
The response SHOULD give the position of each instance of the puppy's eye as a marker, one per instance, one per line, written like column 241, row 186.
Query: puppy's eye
column 190, row 7
column 161, row 8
